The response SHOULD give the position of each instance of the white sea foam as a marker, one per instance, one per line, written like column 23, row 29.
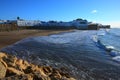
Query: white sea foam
column 117, row 58
column 95, row 38
column 61, row 39
column 102, row 34
column 109, row 47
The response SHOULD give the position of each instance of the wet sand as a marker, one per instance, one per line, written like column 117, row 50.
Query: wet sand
column 8, row 38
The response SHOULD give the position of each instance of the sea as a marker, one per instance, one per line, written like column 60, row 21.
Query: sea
column 86, row 54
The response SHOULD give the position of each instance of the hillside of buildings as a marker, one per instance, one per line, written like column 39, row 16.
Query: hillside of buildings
column 82, row 24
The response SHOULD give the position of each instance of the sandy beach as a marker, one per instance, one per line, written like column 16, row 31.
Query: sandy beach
column 7, row 38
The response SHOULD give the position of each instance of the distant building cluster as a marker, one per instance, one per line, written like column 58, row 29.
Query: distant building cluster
column 75, row 24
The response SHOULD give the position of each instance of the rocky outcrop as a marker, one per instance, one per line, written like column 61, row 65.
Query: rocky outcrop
column 2, row 70
column 12, row 68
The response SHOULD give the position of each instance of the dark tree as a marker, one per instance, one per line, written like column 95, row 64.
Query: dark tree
column 18, row 18
column 79, row 19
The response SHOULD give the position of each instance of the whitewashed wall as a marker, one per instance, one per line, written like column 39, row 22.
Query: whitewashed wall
column 76, row 24
column 28, row 23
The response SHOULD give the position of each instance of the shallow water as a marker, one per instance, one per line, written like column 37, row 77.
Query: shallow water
column 76, row 51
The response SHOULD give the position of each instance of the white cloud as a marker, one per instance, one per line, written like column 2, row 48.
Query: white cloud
column 94, row 11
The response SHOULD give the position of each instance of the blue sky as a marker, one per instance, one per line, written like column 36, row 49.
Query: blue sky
column 103, row 11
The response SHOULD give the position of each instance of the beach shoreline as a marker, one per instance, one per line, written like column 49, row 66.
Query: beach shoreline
column 14, row 70
column 73, row 50
column 8, row 38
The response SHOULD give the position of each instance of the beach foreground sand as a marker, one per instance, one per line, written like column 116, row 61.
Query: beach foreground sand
column 13, row 68
column 18, row 69
column 7, row 38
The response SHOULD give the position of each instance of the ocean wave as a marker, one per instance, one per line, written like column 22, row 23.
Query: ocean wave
column 112, row 51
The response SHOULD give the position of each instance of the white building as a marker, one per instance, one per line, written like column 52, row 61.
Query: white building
column 3, row 21
column 78, row 23
column 28, row 22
